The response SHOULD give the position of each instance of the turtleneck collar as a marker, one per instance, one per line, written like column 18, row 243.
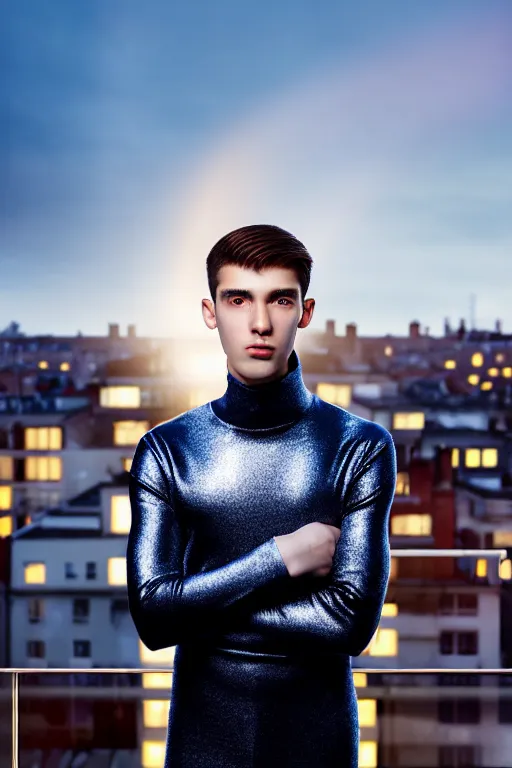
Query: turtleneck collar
column 273, row 404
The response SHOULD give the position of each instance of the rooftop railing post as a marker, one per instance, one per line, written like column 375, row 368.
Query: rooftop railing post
column 15, row 719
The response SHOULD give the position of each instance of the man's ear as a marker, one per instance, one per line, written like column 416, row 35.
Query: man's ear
column 307, row 313
column 208, row 309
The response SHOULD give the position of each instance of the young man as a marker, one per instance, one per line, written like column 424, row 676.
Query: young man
column 259, row 538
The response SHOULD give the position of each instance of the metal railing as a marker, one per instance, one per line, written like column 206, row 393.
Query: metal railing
column 15, row 672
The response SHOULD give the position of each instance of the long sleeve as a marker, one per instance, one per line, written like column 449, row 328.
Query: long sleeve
column 167, row 607
column 342, row 616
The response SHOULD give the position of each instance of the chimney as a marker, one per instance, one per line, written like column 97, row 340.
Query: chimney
column 351, row 331
column 351, row 337
column 414, row 330
column 447, row 327
column 131, row 331
column 113, row 331
column 330, row 329
column 498, row 326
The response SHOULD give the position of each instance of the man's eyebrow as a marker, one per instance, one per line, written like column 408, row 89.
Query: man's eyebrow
column 229, row 293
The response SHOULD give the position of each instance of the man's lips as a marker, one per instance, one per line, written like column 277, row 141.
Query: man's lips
column 260, row 346
column 264, row 351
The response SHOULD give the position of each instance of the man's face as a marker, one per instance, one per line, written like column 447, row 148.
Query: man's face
column 257, row 308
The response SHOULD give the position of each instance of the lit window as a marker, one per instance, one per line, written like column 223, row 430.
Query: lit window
column 338, row 394
column 5, row 526
column 127, row 464
column 393, row 569
column 160, row 658
column 481, row 568
column 153, row 754
column 120, row 397
column 43, row 438
column 472, row 457
column 450, row 364
column 5, row 497
column 367, row 757
column 505, row 568
column 43, row 468
column 383, row 643
column 155, row 713
column 117, row 571
column 129, row 432
column 489, row 457
column 477, row 360
column 408, row 420
column 6, row 468
column 120, row 514
column 388, row 351
column 158, row 680
column 502, row 538
column 481, row 457
column 43, row 364
column 65, row 366
column 499, row 357
column 455, row 457
column 402, row 484
column 485, row 386
column 367, row 711
column 507, row 372
column 390, row 609
column 493, row 372
column 411, row 525
column 360, row 679
column 35, row 573
column 473, row 379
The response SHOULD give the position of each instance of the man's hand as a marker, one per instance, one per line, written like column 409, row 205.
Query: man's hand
column 309, row 549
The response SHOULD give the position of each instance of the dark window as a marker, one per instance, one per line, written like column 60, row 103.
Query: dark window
column 36, row 649
column 463, row 711
column 467, row 643
column 70, row 570
column 446, row 644
column 90, row 570
column 81, row 649
column 452, row 679
column 118, row 609
column 458, row 756
column 81, row 610
column 446, row 602
column 467, row 604
column 35, row 610
column 446, row 711
column 504, row 710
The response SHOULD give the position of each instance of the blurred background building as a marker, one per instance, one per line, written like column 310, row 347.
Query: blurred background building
column 72, row 410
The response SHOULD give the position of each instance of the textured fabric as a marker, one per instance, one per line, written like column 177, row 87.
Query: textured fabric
column 262, row 671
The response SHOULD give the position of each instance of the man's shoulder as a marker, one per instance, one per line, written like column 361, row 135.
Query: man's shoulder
column 179, row 425
column 346, row 422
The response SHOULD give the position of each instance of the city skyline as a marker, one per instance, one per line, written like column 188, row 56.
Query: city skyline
column 134, row 138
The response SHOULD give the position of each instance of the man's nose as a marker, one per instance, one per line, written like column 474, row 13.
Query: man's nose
column 260, row 318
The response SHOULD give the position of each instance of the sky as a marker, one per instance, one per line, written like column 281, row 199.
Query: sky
column 134, row 135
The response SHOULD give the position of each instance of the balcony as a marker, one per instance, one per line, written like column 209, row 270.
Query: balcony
column 457, row 712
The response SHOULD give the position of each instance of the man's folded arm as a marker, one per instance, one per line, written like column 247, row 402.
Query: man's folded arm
column 166, row 607
column 342, row 617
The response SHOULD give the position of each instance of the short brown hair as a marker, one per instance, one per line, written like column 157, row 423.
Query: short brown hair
column 256, row 247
